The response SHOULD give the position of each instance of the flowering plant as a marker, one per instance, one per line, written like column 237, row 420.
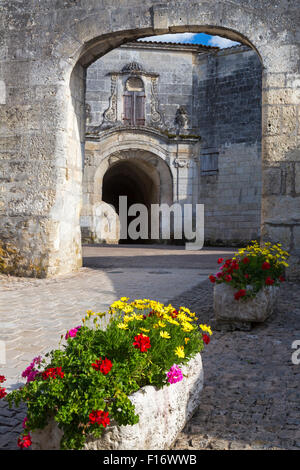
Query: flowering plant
column 85, row 384
column 252, row 268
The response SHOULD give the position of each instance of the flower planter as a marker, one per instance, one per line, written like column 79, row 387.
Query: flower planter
column 238, row 314
column 163, row 414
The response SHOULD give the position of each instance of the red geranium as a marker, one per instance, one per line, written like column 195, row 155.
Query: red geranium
column 25, row 441
column 206, row 339
column 235, row 264
column 220, row 260
column 2, row 393
column 281, row 278
column 239, row 294
column 2, row 379
column 269, row 281
column 99, row 417
column 53, row 373
column 142, row 342
column 228, row 278
column 265, row 266
column 246, row 260
column 212, row 278
column 104, row 366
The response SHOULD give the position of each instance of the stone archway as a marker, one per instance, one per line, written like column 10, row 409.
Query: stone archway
column 43, row 131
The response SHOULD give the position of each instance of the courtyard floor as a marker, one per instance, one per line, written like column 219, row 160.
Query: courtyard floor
column 251, row 396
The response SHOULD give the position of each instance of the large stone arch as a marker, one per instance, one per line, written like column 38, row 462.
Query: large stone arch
column 42, row 119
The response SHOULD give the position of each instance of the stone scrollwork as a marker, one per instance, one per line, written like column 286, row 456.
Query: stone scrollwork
column 156, row 117
column 110, row 115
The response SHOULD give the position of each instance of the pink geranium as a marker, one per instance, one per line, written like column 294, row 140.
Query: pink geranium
column 30, row 372
column 72, row 333
column 175, row 374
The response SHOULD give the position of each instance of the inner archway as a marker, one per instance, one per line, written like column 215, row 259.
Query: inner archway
column 130, row 179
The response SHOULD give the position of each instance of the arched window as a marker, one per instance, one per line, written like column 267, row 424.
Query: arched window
column 134, row 102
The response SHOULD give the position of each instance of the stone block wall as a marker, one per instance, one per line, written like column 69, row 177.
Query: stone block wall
column 229, row 110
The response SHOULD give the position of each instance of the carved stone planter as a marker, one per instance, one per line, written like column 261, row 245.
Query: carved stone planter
column 163, row 414
column 238, row 314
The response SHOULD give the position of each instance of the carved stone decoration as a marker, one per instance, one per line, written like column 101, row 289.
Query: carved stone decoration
column 181, row 163
column 156, row 117
column 132, row 67
column 110, row 115
column 181, row 118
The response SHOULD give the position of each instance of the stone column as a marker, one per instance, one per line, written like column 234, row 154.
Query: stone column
column 41, row 165
column 281, row 152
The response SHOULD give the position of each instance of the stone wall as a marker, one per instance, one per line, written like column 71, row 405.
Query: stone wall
column 229, row 110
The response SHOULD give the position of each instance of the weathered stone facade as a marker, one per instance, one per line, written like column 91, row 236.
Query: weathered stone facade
column 46, row 45
column 202, row 118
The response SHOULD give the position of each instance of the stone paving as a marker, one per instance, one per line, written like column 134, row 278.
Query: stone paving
column 250, row 397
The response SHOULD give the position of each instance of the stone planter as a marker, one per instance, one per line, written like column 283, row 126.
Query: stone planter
column 163, row 414
column 238, row 314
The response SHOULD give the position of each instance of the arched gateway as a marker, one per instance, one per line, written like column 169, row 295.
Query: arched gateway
column 42, row 110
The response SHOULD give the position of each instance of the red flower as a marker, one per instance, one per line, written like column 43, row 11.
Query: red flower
column 206, row 339
column 227, row 262
column 246, row 260
column 2, row 393
column 239, row 294
column 174, row 314
column 265, row 266
column 25, row 441
column 246, row 276
column 99, row 417
column 142, row 342
column 220, row 260
column 281, row 278
column 212, row 278
column 2, row 379
column 269, row 281
column 104, row 366
column 219, row 275
column 228, row 278
column 53, row 373
column 235, row 264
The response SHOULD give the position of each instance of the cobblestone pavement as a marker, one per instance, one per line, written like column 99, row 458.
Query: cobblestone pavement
column 250, row 397
column 251, row 394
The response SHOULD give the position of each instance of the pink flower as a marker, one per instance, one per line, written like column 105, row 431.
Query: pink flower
column 72, row 333
column 30, row 372
column 24, row 422
column 175, row 374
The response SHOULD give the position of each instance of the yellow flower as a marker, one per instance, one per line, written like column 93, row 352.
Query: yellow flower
column 144, row 330
column 122, row 326
column 124, row 299
column 101, row 314
column 179, row 351
column 161, row 324
column 206, row 328
column 186, row 340
column 187, row 327
column 165, row 334
column 127, row 318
